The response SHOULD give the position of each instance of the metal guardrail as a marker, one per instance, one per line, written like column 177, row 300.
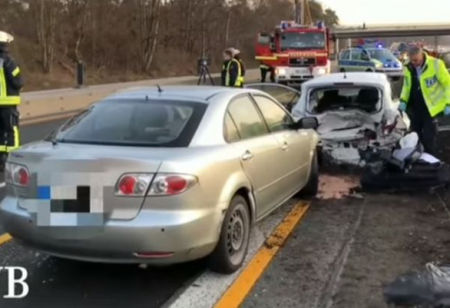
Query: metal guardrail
column 42, row 106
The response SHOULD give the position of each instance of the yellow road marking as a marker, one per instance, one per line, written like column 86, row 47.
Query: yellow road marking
column 243, row 284
column 4, row 238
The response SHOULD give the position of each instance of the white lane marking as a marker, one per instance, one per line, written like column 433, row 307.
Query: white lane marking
column 209, row 287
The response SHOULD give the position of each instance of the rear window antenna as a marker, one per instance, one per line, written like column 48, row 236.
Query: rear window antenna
column 159, row 88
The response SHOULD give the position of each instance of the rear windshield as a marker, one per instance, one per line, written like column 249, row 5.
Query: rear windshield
column 341, row 98
column 139, row 123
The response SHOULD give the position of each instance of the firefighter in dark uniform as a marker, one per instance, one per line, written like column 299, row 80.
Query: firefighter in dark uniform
column 10, row 85
column 231, row 70
column 264, row 68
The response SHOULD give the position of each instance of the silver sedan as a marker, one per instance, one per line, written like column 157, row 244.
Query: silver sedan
column 160, row 177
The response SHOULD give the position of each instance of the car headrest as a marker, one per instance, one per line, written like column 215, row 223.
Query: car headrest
column 368, row 95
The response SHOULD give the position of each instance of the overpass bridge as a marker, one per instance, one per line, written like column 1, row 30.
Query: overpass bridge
column 430, row 30
column 391, row 31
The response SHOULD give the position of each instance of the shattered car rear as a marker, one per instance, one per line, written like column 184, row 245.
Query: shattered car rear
column 355, row 113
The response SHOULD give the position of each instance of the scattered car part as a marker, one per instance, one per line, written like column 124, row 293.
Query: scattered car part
column 429, row 288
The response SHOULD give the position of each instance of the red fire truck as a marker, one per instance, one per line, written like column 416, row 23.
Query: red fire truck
column 295, row 52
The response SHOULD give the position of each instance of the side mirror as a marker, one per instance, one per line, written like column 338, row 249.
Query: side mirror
column 306, row 123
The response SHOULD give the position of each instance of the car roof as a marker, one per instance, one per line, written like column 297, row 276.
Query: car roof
column 185, row 93
column 356, row 77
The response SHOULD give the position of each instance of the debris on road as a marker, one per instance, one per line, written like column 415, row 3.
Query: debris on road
column 336, row 187
column 406, row 168
column 430, row 287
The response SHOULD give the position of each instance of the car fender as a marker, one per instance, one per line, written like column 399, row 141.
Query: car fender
column 235, row 182
column 315, row 138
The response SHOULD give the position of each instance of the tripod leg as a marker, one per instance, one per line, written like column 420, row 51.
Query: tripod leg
column 210, row 77
column 202, row 78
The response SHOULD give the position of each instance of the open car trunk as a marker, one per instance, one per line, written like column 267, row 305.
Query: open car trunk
column 352, row 119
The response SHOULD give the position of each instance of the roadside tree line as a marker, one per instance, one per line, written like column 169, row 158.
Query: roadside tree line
column 145, row 37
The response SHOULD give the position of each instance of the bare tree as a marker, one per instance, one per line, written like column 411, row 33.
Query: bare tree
column 148, row 18
column 121, row 39
column 45, row 16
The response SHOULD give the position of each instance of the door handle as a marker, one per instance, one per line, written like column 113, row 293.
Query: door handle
column 285, row 146
column 247, row 155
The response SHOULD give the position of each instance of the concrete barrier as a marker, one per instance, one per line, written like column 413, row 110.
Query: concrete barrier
column 43, row 106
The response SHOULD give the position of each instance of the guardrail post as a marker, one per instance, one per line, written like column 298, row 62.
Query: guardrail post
column 80, row 74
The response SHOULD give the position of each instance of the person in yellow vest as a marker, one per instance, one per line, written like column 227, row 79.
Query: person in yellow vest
column 425, row 95
column 237, row 56
column 10, row 85
column 230, row 70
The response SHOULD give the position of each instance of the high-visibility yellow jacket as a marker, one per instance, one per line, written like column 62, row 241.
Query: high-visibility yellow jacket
column 241, row 72
column 434, row 84
column 231, row 72
column 10, row 81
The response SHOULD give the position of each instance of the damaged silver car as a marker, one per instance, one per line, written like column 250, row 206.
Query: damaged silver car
column 355, row 112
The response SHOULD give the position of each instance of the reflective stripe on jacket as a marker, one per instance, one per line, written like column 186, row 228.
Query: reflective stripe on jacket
column 16, row 142
column 434, row 85
column 5, row 99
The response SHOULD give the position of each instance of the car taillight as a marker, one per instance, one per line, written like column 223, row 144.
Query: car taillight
column 171, row 184
column 16, row 174
column 131, row 184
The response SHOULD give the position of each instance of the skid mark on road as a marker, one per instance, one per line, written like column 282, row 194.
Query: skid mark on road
column 244, row 283
column 331, row 288
column 4, row 238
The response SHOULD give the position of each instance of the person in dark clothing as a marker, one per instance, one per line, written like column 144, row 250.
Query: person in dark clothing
column 10, row 85
column 425, row 95
column 264, row 69
column 230, row 70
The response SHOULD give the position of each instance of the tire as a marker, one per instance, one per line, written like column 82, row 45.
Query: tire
column 230, row 252
column 369, row 70
column 342, row 70
column 312, row 187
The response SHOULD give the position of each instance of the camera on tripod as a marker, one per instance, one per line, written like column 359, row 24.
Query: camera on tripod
column 203, row 70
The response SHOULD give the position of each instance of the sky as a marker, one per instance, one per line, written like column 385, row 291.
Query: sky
column 356, row 12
